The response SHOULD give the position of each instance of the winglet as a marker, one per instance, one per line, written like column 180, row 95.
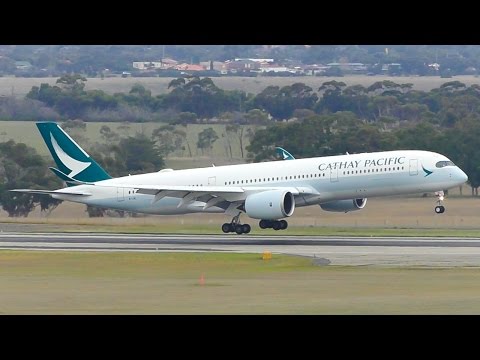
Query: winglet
column 284, row 154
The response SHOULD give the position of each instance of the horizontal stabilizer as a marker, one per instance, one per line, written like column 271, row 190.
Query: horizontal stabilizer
column 49, row 192
column 70, row 181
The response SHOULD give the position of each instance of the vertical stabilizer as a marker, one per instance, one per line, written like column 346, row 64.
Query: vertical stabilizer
column 70, row 158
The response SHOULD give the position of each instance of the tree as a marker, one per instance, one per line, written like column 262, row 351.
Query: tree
column 199, row 96
column 206, row 138
column 175, row 83
column 140, row 90
column 257, row 116
column 139, row 154
column 72, row 83
column 281, row 103
column 108, row 135
column 169, row 138
column 22, row 167
column 460, row 144
column 238, row 131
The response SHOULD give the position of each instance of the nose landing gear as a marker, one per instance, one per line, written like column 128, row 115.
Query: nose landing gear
column 439, row 209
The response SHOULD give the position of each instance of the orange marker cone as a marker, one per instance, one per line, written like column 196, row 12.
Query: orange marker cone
column 202, row 280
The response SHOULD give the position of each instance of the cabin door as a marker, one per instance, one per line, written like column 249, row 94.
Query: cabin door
column 413, row 167
column 333, row 175
column 120, row 194
column 212, row 180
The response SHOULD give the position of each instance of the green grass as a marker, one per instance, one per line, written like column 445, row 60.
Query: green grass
column 63, row 282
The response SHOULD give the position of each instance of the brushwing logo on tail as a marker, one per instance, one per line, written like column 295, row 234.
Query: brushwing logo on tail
column 75, row 166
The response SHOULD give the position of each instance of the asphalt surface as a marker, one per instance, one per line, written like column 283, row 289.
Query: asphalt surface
column 394, row 251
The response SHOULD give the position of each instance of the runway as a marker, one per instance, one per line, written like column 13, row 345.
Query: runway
column 393, row 251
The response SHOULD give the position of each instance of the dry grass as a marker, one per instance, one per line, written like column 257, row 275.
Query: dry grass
column 389, row 213
column 168, row 283
column 26, row 132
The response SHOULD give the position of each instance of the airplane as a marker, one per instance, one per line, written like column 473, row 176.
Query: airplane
column 267, row 191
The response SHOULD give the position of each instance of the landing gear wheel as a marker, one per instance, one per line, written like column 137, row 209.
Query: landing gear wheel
column 277, row 225
column 226, row 228
column 235, row 226
column 239, row 229
column 439, row 209
column 283, row 224
column 263, row 224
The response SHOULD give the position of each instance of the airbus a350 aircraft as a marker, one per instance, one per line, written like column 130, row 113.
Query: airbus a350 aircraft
column 268, row 191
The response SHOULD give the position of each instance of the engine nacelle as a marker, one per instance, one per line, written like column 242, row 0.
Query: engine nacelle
column 344, row 205
column 270, row 205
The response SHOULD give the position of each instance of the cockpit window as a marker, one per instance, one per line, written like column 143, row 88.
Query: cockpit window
column 442, row 164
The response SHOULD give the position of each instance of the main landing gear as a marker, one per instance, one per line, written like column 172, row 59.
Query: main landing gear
column 273, row 224
column 235, row 226
column 439, row 209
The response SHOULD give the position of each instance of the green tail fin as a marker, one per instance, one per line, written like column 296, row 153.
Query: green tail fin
column 70, row 158
column 284, row 154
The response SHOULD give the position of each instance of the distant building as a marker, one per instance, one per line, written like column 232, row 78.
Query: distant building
column 147, row 65
column 168, row 63
column 189, row 67
column 242, row 65
column 348, row 67
column 314, row 69
column 162, row 64
column 256, row 60
column 274, row 69
column 216, row 65
column 23, row 65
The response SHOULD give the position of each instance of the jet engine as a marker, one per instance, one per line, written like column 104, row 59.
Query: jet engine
column 344, row 205
column 270, row 205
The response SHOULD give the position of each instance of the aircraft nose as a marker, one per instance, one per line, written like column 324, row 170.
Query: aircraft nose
column 462, row 176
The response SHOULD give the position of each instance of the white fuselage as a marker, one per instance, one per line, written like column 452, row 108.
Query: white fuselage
column 330, row 178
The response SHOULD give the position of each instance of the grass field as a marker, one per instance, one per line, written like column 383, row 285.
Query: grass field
column 21, row 86
column 26, row 132
column 45, row 282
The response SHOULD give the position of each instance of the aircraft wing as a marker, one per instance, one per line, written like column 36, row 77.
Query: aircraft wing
column 49, row 192
column 211, row 195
